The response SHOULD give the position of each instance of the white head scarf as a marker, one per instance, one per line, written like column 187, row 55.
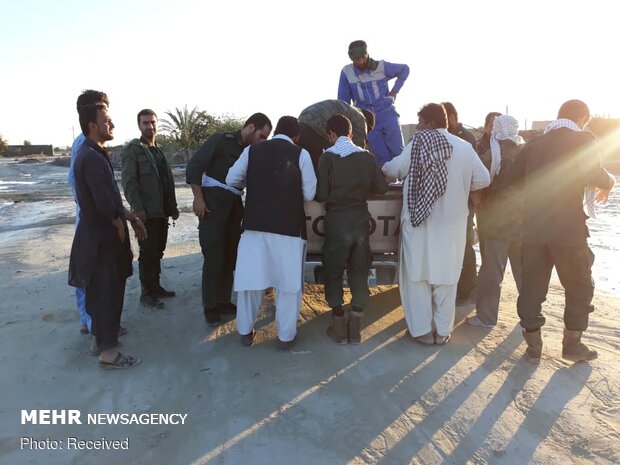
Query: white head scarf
column 505, row 127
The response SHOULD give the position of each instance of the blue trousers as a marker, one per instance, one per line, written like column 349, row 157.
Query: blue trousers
column 80, row 294
column 386, row 138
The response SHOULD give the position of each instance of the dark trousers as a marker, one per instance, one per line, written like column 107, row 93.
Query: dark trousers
column 105, row 296
column 346, row 244
column 467, row 280
column 219, row 238
column 574, row 267
column 152, row 251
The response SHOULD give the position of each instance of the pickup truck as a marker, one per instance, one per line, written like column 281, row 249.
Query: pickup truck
column 385, row 210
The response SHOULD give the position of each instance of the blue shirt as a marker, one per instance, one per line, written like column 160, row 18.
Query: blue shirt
column 77, row 144
column 368, row 89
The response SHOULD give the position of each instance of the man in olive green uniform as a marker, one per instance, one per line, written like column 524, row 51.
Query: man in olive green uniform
column 219, row 209
column 149, row 188
column 347, row 176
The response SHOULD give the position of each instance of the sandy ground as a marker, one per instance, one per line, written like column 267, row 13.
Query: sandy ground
column 387, row 401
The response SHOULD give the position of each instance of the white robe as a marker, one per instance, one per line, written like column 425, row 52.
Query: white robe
column 270, row 260
column 434, row 250
column 431, row 255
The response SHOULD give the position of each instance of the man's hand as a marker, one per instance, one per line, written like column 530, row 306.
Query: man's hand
column 393, row 95
column 120, row 229
column 142, row 215
column 200, row 207
column 601, row 195
column 139, row 228
column 175, row 215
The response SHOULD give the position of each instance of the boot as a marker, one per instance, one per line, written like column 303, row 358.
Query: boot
column 575, row 350
column 534, row 346
column 355, row 315
column 338, row 330
column 159, row 291
column 149, row 299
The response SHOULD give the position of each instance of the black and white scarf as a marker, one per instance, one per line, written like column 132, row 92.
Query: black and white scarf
column 428, row 175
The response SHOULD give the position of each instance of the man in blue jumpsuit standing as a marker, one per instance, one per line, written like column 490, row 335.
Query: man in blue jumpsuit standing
column 365, row 82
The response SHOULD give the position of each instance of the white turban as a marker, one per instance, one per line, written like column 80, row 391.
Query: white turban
column 505, row 127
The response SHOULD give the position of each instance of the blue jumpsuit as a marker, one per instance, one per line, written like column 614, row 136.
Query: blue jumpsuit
column 368, row 90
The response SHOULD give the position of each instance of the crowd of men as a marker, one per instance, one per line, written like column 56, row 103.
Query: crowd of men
column 528, row 200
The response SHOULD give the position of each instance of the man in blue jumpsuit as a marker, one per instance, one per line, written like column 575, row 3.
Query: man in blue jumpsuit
column 365, row 82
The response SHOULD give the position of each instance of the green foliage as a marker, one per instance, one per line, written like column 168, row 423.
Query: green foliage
column 27, row 142
column 188, row 129
column 3, row 145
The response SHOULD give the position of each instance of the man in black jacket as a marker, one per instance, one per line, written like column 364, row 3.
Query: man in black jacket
column 556, row 169
column 219, row 209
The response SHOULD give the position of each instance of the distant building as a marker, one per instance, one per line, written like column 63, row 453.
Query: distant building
column 539, row 125
column 28, row 150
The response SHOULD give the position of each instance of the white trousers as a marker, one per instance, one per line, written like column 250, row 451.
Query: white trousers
column 288, row 306
column 425, row 304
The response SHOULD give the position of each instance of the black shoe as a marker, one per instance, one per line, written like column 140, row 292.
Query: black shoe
column 84, row 329
column 247, row 339
column 284, row 346
column 150, row 300
column 212, row 317
column 227, row 308
column 159, row 291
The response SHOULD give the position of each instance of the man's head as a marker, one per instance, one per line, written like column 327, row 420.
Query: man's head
column 288, row 126
column 432, row 116
column 453, row 117
column 147, row 123
column 256, row 129
column 337, row 126
column 576, row 111
column 488, row 122
column 370, row 120
column 96, row 123
column 358, row 53
column 90, row 97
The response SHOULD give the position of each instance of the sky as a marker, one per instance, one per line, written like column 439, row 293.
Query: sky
column 239, row 57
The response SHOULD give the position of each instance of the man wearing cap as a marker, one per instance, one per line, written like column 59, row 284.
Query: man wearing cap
column 365, row 83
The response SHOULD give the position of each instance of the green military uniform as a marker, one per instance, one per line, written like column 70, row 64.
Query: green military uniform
column 344, row 184
column 220, row 229
column 149, row 187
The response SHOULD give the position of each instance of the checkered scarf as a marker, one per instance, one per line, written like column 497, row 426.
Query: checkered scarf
column 428, row 175
column 344, row 147
column 505, row 127
column 590, row 192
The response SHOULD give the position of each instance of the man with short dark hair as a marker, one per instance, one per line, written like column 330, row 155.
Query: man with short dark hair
column 557, row 168
column 149, row 189
column 365, row 82
column 347, row 176
column 279, row 177
column 467, row 280
column 101, row 256
column 439, row 171
column 219, row 210
column 88, row 97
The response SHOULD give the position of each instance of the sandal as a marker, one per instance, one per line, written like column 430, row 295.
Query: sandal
column 95, row 350
column 441, row 340
column 121, row 362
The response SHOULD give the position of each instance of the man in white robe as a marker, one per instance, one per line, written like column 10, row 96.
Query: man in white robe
column 431, row 253
column 279, row 177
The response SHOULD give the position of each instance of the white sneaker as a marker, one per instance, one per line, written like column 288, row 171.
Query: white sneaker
column 475, row 321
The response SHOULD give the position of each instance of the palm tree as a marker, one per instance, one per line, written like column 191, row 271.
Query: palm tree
column 187, row 127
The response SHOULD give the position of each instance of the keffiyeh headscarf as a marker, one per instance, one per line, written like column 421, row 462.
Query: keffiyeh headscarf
column 428, row 174
column 505, row 127
column 590, row 193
